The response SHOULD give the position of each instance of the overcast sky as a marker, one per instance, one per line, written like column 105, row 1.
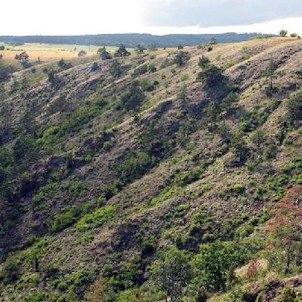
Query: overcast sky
column 68, row 17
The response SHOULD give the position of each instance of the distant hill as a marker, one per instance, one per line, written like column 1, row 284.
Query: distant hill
column 131, row 40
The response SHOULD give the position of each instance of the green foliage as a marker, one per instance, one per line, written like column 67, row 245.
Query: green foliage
column 238, row 189
column 96, row 219
column 133, row 165
column 211, row 75
column 38, row 296
column 294, row 107
column 126, row 275
column 46, row 191
column 239, row 147
column 212, row 41
column 181, row 58
column 122, row 51
column 172, row 272
column 25, row 147
column 95, row 66
column 63, row 65
column 5, row 71
column 140, row 70
column 104, row 54
column 116, row 69
column 187, row 177
column 74, row 124
column 10, row 271
column 283, row 33
column 215, row 260
column 146, row 85
column 140, row 49
column 133, row 98
column 288, row 295
column 204, row 62
column 134, row 295
column 68, row 218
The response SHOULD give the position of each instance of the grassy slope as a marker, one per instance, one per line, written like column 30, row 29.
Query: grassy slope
column 189, row 170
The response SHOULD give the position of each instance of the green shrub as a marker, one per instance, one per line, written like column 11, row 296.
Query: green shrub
column 146, row 85
column 133, row 98
column 10, row 272
column 288, row 295
column 133, row 165
column 141, row 70
column 181, row 58
column 215, row 261
column 238, row 189
column 38, row 296
column 68, row 218
column 211, row 75
column 294, row 107
column 96, row 219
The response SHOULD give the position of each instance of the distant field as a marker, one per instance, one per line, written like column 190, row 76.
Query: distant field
column 49, row 52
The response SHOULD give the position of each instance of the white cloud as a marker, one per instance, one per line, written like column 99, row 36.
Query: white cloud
column 293, row 25
column 67, row 17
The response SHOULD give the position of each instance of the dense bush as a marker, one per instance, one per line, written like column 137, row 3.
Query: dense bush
column 133, row 165
column 181, row 58
column 215, row 261
column 133, row 98
column 68, row 218
column 294, row 108
column 211, row 75
column 96, row 219
column 172, row 272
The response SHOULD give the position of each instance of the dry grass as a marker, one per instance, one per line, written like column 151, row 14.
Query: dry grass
column 48, row 52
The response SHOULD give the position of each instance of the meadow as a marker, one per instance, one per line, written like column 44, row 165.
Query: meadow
column 49, row 52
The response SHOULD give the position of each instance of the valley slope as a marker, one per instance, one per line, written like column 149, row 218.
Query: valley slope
column 105, row 165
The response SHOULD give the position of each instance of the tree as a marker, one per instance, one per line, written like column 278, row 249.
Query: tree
column 212, row 112
column 2, row 47
column 270, row 75
column 283, row 33
column 213, row 41
column 285, row 224
column 172, row 272
column 239, row 147
column 122, row 51
column 211, row 75
column 133, row 98
column 63, row 65
column 140, row 49
column 203, row 62
column 94, row 66
column 104, row 54
column 82, row 53
column 294, row 107
column 23, row 57
column 181, row 58
column 213, row 264
column 5, row 72
column 116, row 69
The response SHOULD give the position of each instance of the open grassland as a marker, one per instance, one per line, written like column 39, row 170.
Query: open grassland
column 50, row 52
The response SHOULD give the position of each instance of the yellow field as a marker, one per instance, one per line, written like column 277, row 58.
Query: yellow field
column 47, row 52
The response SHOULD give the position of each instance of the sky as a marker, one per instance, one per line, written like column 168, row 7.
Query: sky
column 75, row 17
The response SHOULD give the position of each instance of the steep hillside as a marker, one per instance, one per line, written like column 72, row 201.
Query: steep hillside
column 109, row 169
